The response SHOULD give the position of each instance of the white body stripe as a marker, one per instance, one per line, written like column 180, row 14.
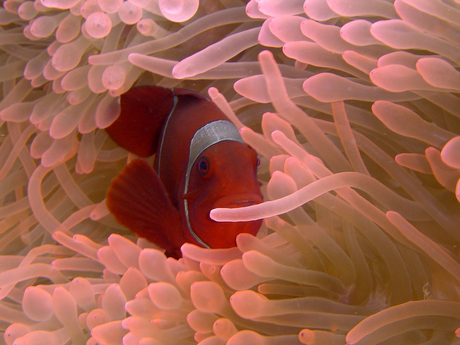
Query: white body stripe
column 160, row 151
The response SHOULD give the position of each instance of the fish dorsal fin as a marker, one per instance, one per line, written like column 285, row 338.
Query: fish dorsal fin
column 138, row 200
column 143, row 113
column 186, row 92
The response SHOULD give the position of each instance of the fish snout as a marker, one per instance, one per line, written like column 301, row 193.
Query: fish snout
column 224, row 234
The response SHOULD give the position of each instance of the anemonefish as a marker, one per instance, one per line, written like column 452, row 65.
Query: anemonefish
column 201, row 163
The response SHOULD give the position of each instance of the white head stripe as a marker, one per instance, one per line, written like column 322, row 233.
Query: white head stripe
column 208, row 135
column 211, row 134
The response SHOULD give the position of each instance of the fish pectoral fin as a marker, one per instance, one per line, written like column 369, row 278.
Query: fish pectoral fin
column 191, row 195
column 138, row 200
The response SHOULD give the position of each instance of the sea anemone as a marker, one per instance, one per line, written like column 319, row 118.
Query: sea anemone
column 354, row 109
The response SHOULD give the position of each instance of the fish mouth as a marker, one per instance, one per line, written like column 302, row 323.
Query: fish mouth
column 238, row 200
column 241, row 203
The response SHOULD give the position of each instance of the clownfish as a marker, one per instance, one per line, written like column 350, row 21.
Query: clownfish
column 201, row 163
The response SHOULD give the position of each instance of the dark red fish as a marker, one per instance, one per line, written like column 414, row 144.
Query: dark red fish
column 201, row 163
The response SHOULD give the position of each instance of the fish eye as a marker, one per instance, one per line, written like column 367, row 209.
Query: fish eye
column 203, row 166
